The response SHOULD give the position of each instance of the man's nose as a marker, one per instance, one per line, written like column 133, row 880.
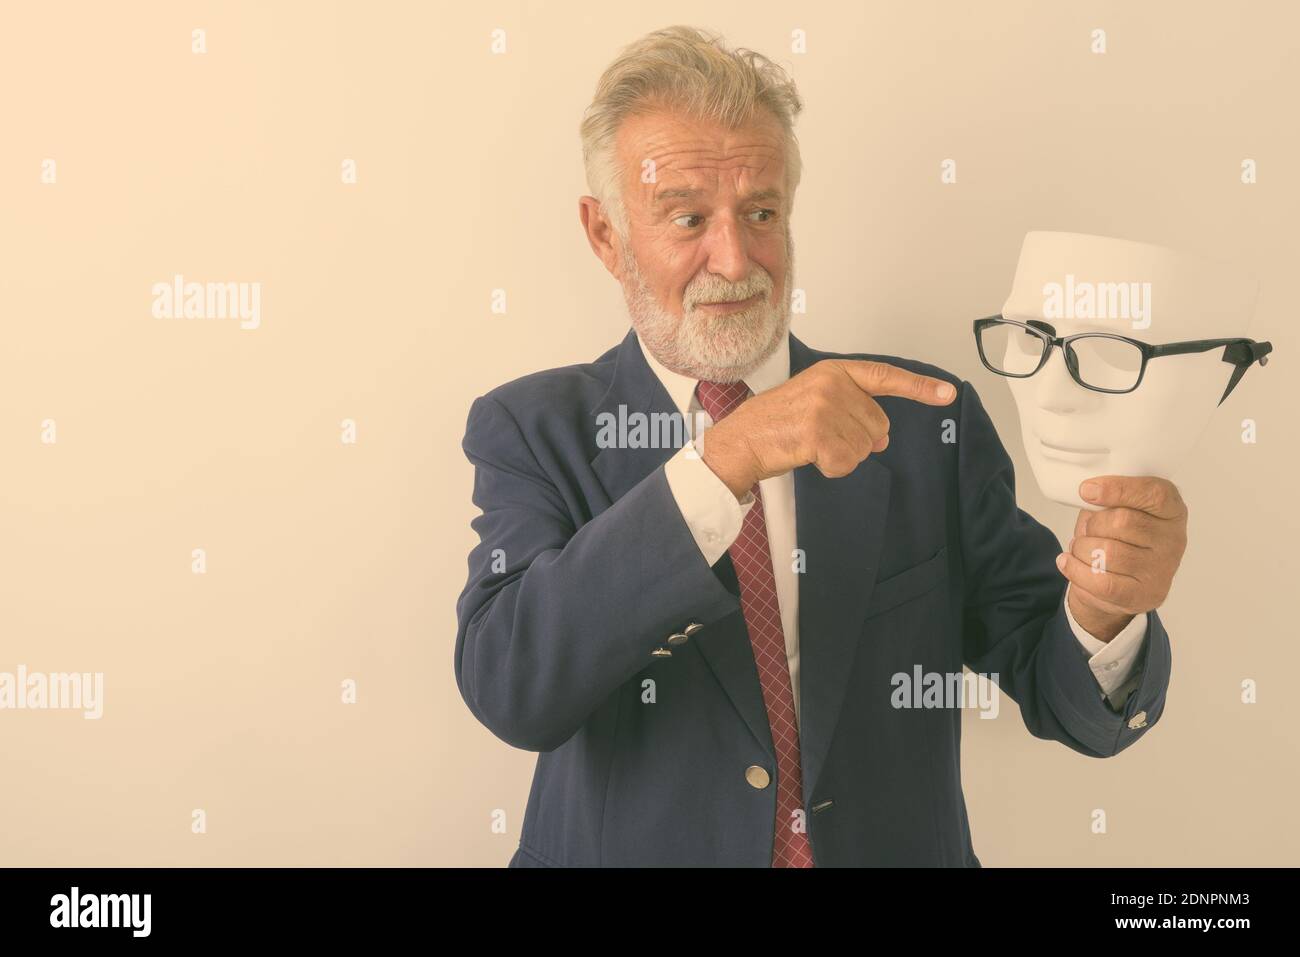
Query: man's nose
column 728, row 250
column 1055, row 389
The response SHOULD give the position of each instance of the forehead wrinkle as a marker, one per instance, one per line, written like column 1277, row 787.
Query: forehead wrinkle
column 697, row 157
column 692, row 150
column 751, row 168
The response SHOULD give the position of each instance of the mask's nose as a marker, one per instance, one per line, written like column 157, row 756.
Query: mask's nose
column 1056, row 391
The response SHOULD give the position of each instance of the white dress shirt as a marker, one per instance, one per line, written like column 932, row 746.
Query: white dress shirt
column 714, row 517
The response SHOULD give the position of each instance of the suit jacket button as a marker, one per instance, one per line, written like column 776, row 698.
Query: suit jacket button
column 692, row 628
column 1139, row 720
column 757, row 777
column 661, row 653
column 676, row 639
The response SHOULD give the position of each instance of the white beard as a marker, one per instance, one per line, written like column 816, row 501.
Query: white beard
column 724, row 348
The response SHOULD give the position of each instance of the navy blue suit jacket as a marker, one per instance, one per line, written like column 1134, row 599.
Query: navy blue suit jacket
column 918, row 557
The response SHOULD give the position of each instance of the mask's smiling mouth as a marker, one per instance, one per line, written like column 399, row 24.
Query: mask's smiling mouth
column 1066, row 448
column 1069, row 456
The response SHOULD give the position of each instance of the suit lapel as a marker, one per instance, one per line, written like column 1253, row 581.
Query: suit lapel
column 725, row 644
column 633, row 389
column 840, row 527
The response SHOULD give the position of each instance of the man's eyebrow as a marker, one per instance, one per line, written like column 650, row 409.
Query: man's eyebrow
column 663, row 197
column 771, row 194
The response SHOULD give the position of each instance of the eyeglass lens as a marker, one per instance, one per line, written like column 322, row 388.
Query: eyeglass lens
column 1103, row 363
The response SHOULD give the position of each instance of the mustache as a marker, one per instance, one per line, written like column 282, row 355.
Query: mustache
column 712, row 292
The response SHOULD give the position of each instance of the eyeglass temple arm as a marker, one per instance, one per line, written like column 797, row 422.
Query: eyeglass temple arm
column 1243, row 355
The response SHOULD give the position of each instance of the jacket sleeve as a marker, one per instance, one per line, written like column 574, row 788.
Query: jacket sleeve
column 553, row 617
column 1014, row 621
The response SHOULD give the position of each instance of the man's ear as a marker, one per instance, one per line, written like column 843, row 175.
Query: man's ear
column 600, row 234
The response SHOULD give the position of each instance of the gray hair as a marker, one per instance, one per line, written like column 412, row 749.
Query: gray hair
column 682, row 68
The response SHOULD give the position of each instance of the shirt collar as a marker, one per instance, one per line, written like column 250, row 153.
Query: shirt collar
column 681, row 389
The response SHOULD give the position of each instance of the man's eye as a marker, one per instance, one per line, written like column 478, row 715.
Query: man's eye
column 691, row 220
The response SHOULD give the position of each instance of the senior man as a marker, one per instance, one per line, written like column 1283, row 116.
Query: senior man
column 704, row 643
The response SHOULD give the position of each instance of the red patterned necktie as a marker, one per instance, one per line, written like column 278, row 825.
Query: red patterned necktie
column 752, row 558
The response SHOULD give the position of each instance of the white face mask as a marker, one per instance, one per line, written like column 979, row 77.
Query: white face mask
column 1076, row 284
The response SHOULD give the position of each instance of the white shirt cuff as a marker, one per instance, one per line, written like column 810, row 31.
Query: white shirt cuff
column 710, row 509
column 1111, row 662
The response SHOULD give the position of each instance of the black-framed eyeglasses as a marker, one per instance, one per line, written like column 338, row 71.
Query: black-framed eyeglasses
column 1100, row 361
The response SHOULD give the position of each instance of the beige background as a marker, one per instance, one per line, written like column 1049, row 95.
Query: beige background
column 328, row 561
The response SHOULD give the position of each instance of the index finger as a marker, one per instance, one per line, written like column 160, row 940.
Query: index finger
column 880, row 378
column 1146, row 493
